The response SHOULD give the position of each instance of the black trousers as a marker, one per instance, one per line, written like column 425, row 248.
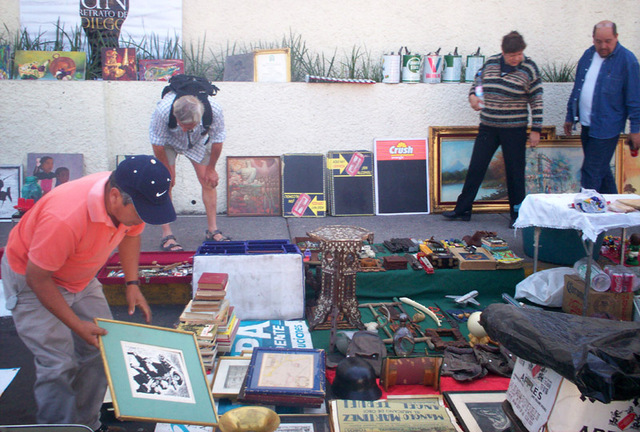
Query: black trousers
column 513, row 142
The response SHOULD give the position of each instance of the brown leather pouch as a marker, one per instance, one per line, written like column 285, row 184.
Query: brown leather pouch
column 411, row 370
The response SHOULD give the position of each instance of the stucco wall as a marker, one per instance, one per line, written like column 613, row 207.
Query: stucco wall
column 103, row 119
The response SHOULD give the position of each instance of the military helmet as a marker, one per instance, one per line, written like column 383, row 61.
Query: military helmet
column 355, row 380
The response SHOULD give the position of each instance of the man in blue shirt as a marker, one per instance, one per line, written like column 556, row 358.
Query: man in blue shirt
column 606, row 92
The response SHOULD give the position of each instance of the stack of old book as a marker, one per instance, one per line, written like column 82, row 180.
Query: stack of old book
column 209, row 303
column 504, row 256
column 227, row 331
column 206, row 335
column 210, row 306
column 493, row 244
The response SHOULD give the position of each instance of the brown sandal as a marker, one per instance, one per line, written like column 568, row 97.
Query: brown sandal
column 211, row 236
column 171, row 247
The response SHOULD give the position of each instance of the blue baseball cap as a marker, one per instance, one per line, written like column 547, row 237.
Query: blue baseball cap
column 147, row 181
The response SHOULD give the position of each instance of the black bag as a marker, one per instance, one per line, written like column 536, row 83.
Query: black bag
column 192, row 85
column 599, row 356
column 369, row 347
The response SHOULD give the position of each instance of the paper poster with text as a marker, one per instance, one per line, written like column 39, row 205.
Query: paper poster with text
column 271, row 334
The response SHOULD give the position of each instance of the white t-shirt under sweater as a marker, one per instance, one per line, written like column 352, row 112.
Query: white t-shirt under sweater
column 588, row 88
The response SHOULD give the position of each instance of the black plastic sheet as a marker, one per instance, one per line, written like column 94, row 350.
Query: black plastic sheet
column 601, row 357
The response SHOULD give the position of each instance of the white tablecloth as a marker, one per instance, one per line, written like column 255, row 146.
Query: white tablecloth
column 554, row 211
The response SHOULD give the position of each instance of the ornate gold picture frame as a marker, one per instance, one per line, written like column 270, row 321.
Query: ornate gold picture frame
column 449, row 155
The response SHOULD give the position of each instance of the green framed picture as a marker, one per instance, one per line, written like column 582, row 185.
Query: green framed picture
column 155, row 374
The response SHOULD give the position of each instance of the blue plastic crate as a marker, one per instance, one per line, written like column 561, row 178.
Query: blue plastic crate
column 247, row 247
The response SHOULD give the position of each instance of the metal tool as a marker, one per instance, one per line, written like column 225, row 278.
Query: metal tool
column 447, row 316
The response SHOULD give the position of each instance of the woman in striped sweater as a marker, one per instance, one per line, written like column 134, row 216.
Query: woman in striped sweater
column 511, row 86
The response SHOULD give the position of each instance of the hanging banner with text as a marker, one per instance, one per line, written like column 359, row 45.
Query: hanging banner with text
column 136, row 21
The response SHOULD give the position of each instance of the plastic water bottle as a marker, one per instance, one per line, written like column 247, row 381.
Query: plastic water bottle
column 600, row 281
column 478, row 88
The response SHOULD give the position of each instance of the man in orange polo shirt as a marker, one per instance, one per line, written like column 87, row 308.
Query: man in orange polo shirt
column 48, row 273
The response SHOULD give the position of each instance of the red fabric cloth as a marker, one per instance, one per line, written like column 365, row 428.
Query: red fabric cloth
column 489, row 382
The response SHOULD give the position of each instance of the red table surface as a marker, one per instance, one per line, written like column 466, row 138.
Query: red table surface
column 488, row 383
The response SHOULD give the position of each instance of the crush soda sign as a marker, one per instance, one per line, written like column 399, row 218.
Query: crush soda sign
column 401, row 149
column 407, row 149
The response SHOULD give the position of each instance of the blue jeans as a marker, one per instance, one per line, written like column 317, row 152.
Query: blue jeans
column 596, row 170
column 514, row 145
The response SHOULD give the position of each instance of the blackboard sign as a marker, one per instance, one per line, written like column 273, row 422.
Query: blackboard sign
column 401, row 176
column 351, row 183
column 303, row 185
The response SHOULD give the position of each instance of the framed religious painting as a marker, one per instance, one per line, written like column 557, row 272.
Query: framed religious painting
column 450, row 150
column 554, row 166
column 155, row 374
column 253, row 186
column 479, row 411
column 10, row 187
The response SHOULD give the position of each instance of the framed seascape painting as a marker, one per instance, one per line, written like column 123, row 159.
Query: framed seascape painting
column 10, row 186
column 479, row 411
column 450, row 150
column 54, row 169
column 155, row 374
column 253, row 186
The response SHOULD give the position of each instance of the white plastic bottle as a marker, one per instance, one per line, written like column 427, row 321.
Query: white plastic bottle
column 600, row 281
column 478, row 88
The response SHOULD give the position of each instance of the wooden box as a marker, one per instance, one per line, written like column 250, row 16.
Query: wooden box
column 161, row 289
column 606, row 304
column 481, row 259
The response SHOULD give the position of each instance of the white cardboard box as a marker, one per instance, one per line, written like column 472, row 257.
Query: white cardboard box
column 261, row 286
column 544, row 400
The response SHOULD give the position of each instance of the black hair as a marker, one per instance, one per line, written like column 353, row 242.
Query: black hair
column 513, row 42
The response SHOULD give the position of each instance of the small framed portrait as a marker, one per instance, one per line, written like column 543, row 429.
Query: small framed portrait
column 229, row 375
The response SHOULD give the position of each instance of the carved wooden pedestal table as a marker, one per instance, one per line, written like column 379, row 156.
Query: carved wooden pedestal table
column 339, row 245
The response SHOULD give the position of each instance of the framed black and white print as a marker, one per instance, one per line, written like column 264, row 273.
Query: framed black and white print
column 10, row 186
column 479, row 411
column 155, row 374
column 229, row 375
